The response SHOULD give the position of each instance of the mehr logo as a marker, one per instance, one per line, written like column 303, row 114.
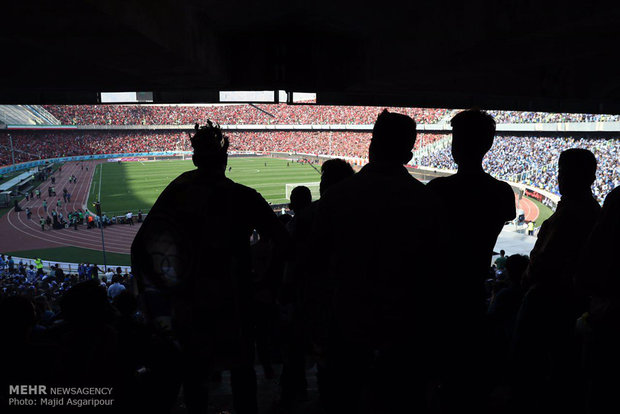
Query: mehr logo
column 27, row 389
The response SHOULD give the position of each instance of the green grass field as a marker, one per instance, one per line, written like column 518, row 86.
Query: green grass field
column 136, row 185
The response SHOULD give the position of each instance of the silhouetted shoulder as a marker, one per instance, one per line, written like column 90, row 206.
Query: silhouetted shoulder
column 480, row 189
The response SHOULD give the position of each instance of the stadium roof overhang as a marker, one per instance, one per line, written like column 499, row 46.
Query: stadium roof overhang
column 496, row 54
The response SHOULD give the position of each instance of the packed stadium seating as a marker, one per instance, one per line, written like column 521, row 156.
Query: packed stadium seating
column 231, row 114
column 522, row 117
column 281, row 114
column 35, row 145
column 533, row 160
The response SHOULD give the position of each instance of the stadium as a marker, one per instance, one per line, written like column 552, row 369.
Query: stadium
column 119, row 145
column 219, row 207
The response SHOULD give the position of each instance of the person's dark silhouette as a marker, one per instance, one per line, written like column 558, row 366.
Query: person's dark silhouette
column 599, row 277
column 192, row 260
column 87, row 342
column 477, row 206
column 293, row 379
column 544, row 349
column 502, row 313
column 301, row 197
column 150, row 362
column 370, row 283
column 332, row 172
column 25, row 362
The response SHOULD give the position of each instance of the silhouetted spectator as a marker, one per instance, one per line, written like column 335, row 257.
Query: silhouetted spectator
column 544, row 347
column 473, row 240
column 87, row 342
column 301, row 197
column 370, row 282
column 500, row 262
column 25, row 361
column 599, row 277
column 503, row 311
column 200, row 271
column 116, row 288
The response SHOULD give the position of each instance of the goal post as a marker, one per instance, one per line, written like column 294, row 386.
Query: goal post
column 314, row 189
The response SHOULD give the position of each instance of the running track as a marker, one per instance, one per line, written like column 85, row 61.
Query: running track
column 529, row 208
column 19, row 233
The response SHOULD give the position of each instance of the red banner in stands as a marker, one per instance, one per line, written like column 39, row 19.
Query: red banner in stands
column 534, row 194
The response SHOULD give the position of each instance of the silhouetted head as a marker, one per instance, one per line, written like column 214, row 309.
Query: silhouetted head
column 472, row 137
column 85, row 303
column 393, row 138
column 301, row 197
column 210, row 148
column 576, row 171
column 332, row 172
column 515, row 266
column 126, row 303
column 502, row 253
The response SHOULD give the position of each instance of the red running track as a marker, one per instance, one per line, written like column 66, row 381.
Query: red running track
column 19, row 233
column 530, row 209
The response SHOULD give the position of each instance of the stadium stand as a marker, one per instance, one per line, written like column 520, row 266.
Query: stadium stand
column 282, row 114
column 47, row 306
column 529, row 160
column 533, row 160
column 520, row 117
column 31, row 145
column 231, row 114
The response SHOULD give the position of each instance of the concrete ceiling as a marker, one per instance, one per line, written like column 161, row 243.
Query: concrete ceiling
column 527, row 55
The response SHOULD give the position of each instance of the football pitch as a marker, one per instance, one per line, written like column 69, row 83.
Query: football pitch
column 130, row 186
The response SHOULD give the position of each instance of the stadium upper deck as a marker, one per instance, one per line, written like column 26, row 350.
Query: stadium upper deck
column 282, row 114
column 231, row 114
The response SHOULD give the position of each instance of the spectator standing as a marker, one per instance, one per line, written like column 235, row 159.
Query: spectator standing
column 544, row 352
column 363, row 291
column 500, row 262
column 116, row 288
column 11, row 265
column 207, row 273
column 473, row 132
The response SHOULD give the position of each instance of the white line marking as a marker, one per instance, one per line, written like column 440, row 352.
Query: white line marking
column 100, row 174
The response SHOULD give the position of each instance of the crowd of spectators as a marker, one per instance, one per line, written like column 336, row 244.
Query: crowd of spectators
column 533, row 161
column 524, row 117
column 231, row 114
column 340, row 144
column 527, row 159
column 31, row 146
column 236, row 114
column 370, row 301
column 41, row 145
column 80, row 329
column 47, row 286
